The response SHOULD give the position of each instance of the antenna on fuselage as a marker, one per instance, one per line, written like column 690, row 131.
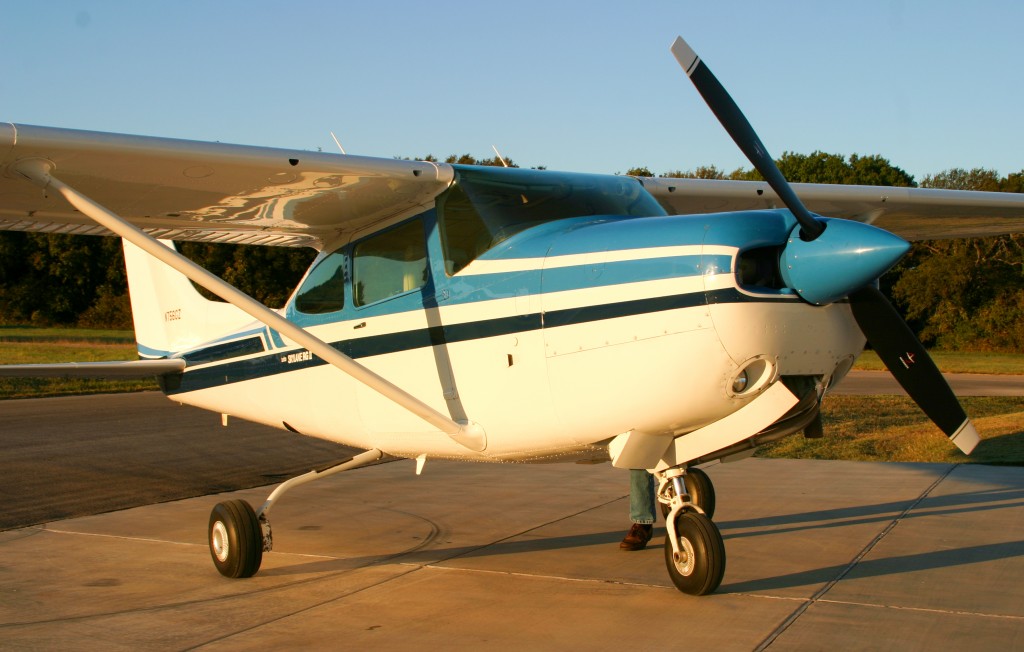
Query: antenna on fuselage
column 337, row 142
column 500, row 157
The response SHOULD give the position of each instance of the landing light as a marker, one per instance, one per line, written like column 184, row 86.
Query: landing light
column 740, row 382
column 753, row 376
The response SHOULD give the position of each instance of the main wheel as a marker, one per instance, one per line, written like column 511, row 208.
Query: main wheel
column 236, row 539
column 701, row 563
column 701, row 491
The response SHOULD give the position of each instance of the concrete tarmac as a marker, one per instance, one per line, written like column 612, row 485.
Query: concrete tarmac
column 821, row 555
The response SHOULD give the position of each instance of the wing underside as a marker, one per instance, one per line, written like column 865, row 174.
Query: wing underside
column 911, row 213
column 213, row 192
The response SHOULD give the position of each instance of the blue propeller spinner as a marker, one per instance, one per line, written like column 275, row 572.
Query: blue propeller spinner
column 844, row 258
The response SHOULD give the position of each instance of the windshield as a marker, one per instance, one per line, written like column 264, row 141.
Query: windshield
column 489, row 204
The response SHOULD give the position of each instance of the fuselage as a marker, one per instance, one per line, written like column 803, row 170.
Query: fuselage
column 554, row 316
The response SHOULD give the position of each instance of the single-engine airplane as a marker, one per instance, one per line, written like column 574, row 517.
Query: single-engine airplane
column 501, row 314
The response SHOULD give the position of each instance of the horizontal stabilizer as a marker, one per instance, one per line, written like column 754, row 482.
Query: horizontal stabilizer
column 123, row 369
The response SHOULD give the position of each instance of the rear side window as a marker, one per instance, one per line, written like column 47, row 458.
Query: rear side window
column 390, row 263
column 324, row 288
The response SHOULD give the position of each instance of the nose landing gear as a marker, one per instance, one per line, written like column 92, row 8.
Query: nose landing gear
column 694, row 550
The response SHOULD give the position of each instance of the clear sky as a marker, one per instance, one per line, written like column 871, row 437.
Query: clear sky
column 572, row 85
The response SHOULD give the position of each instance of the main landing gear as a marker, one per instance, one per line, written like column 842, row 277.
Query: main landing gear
column 694, row 551
column 239, row 535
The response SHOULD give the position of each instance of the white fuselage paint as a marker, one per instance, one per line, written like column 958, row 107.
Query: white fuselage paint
column 554, row 392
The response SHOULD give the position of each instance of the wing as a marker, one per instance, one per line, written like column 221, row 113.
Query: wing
column 214, row 192
column 911, row 213
column 211, row 192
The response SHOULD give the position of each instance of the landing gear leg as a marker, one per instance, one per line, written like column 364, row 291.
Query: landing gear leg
column 694, row 550
column 697, row 484
column 239, row 535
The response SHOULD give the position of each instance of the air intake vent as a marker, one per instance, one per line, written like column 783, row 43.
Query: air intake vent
column 758, row 269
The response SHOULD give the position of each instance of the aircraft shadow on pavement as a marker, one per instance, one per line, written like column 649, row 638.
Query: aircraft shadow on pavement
column 887, row 566
column 946, row 505
column 993, row 499
column 429, row 555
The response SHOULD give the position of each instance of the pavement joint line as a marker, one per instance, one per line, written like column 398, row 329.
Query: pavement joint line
column 121, row 537
column 183, row 543
column 765, row 596
column 819, row 594
column 154, row 608
column 304, row 609
column 584, row 580
column 947, row 612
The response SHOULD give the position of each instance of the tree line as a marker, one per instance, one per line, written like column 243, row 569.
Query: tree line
column 965, row 294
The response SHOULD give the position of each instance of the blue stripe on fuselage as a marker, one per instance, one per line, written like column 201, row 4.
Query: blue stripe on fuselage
column 267, row 365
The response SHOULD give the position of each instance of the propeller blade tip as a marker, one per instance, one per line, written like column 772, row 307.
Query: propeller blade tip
column 966, row 437
column 685, row 55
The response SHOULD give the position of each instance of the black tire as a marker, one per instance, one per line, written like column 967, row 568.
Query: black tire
column 236, row 539
column 703, row 566
column 701, row 491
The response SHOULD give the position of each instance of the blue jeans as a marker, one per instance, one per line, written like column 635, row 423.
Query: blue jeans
column 641, row 496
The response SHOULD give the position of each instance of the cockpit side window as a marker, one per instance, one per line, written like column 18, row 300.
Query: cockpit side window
column 323, row 290
column 390, row 263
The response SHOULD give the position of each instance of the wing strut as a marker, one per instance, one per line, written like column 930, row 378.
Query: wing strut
column 468, row 434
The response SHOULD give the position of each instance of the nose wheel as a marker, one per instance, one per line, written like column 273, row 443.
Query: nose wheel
column 696, row 563
column 694, row 550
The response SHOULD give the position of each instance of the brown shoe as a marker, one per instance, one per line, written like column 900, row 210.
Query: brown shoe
column 637, row 537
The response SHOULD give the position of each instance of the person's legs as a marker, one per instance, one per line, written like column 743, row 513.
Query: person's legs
column 641, row 497
column 641, row 510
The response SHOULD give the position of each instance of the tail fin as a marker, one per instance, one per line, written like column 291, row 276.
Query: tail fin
column 169, row 314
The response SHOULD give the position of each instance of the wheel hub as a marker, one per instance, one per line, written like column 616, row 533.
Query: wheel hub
column 219, row 541
column 684, row 559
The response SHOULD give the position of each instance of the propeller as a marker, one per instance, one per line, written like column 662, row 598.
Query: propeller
column 832, row 259
column 725, row 109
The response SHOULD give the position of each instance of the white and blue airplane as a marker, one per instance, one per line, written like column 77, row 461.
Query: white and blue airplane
column 498, row 314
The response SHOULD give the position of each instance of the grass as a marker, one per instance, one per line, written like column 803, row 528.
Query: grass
column 958, row 362
column 893, row 429
column 30, row 334
column 47, row 345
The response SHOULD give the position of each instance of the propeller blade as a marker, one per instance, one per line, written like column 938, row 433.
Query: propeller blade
column 901, row 351
column 725, row 109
